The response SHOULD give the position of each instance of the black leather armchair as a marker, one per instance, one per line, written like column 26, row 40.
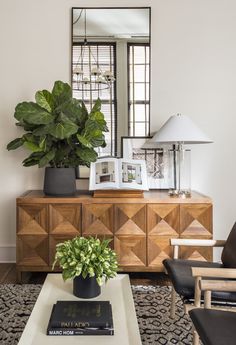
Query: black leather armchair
column 180, row 271
column 215, row 327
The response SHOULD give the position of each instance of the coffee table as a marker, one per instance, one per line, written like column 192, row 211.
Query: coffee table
column 116, row 290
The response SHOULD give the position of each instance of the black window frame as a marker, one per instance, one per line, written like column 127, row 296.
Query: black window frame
column 129, row 45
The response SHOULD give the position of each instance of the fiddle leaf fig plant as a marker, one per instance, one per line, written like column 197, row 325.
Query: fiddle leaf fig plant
column 59, row 130
column 87, row 257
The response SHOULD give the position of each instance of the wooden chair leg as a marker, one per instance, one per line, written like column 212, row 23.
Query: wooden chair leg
column 207, row 299
column 195, row 337
column 173, row 300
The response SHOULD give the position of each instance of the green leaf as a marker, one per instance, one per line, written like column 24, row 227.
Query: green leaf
column 29, row 162
column 61, row 154
column 84, row 141
column 84, row 274
column 42, row 130
column 33, row 159
column 86, row 154
column 32, row 147
column 84, row 109
column 61, row 93
column 97, row 106
column 100, row 120
column 64, row 128
column 32, row 113
column 14, row 144
column 42, row 143
column 29, row 137
column 67, row 274
column 47, row 158
column 73, row 110
column 97, row 138
column 45, row 100
column 96, row 122
column 27, row 127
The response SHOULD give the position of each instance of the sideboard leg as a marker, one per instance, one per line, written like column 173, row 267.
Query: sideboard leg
column 19, row 276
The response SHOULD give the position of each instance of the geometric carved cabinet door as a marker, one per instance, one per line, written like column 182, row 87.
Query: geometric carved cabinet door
column 97, row 220
column 65, row 219
column 162, row 225
column 64, row 224
column 32, row 235
column 130, row 234
column 196, row 222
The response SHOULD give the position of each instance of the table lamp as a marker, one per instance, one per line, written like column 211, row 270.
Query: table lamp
column 179, row 130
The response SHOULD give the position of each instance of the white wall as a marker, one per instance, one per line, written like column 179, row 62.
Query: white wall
column 193, row 72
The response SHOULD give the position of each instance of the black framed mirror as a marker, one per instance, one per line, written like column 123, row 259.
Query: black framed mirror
column 111, row 60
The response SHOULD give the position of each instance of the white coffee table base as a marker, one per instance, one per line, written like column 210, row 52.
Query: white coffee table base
column 117, row 291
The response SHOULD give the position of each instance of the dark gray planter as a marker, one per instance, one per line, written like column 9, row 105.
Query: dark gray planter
column 86, row 287
column 59, row 181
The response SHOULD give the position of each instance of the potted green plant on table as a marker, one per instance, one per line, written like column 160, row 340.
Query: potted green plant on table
column 89, row 262
column 61, row 134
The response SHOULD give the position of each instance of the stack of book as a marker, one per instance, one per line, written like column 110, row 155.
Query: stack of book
column 81, row 318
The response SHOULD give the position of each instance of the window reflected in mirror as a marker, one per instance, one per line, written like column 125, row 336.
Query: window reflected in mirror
column 138, row 89
column 111, row 60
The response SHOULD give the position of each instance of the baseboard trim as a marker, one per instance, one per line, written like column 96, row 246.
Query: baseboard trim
column 7, row 253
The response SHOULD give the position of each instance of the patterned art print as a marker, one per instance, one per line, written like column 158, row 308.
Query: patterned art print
column 152, row 304
column 156, row 160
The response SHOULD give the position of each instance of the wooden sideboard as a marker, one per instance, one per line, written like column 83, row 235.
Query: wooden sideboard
column 140, row 228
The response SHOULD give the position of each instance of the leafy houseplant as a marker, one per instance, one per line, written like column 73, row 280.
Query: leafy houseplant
column 60, row 132
column 88, row 261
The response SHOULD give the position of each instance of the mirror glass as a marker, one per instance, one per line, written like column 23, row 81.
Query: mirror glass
column 111, row 60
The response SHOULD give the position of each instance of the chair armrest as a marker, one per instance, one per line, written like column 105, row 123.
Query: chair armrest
column 229, row 273
column 218, row 285
column 214, row 285
column 202, row 272
column 177, row 242
column 196, row 242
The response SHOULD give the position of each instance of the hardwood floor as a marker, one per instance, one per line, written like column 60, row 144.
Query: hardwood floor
column 8, row 276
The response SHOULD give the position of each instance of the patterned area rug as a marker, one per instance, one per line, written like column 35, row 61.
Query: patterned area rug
column 152, row 305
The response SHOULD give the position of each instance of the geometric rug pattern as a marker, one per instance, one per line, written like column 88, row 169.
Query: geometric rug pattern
column 152, row 305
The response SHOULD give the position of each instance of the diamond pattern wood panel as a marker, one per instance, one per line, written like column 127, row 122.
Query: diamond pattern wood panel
column 159, row 249
column 130, row 219
column 65, row 219
column 97, row 219
column 196, row 222
column 131, row 250
column 162, row 225
column 32, row 250
column 32, row 219
column 163, row 219
column 196, row 253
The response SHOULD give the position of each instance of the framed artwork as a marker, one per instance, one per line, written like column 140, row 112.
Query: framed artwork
column 156, row 160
